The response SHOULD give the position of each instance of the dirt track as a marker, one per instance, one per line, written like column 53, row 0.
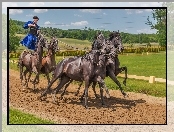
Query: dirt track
column 136, row 109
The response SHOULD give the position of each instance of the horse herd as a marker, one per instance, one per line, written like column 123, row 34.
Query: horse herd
column 91, row 68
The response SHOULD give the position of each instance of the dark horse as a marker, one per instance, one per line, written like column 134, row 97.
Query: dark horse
column 114, row 43
column 80, row 69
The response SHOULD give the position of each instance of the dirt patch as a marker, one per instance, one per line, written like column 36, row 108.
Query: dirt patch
column 136, row 109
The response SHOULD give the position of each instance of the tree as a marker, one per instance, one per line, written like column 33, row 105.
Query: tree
column 13, row 39
column 160, row 16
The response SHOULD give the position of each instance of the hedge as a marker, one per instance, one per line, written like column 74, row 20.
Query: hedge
column 82, row 52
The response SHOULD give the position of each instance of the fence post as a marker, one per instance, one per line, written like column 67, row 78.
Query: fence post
column 152, row 79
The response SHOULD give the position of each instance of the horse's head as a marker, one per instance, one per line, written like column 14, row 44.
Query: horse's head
column 116, row 40
column 99, row 43
column 41, row 40
column 52, row 46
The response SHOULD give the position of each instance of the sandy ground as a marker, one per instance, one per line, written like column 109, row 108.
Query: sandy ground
column 126, row 109
column 136, row 109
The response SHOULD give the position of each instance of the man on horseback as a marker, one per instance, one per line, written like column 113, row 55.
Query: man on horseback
column 30, row 41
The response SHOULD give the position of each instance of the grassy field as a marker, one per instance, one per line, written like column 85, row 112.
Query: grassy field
column 139, row 86
column 141, row 65
column 81, row 44
column 145, row 65
column 18, row 117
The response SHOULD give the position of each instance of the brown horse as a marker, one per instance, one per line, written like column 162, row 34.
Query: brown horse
column 32, row 61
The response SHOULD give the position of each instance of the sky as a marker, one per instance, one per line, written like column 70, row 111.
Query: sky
column 124, row 20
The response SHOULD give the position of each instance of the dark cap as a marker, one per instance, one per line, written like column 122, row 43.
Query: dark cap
column 35, row 17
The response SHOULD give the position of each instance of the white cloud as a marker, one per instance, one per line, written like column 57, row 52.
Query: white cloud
column 15, row 11
column 65, row 25
column 47, row 23
column 81, row 23
column 138, row 11
column 77, row 15
column 104, row 13
column 40, row 10
column 91, row 10
column 29, row 15
column 146, row 30
column 148, row 10
column 36, row 4
column 9, row 4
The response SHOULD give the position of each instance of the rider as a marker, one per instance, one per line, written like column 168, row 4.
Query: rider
column 30, row 40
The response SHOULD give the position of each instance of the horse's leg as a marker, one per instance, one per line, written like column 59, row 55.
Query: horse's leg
column 81, row 98
column 86, row 91
column 48, row 87
column 47, row 74
column 78, row 90
column 93, row 87
column 25, row 73
column 119, row 70
column 112, row 76
column 21, row 72
column 64, row 80
column 30, row 72
column 62, row 94
column 101, row 85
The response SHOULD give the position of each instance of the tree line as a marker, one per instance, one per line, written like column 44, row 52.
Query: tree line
column 16, row 27
column 88, row 34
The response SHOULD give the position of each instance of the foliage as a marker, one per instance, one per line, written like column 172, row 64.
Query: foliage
column 13, row 39
column 18, row 117
column 88, row 34
column 160, row 16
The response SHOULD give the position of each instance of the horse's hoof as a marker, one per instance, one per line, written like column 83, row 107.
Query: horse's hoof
column 97, row 97
column 104, row 106
column 86, row 107
column 125, row 95
column 81, row 100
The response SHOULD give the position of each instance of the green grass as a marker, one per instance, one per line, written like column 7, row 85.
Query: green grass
column 139, row 86
column 145, row 65
column 21, row 128
column 133, row 85
column 18, row 117
column 81, row 44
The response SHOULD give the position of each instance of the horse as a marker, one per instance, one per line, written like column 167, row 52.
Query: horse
column 31, row 61
column 114, row 44
column 48, row 61
column 61, row 64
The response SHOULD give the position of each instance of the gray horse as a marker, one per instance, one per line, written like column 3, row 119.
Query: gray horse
column 114, row 45
column 61, row 65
